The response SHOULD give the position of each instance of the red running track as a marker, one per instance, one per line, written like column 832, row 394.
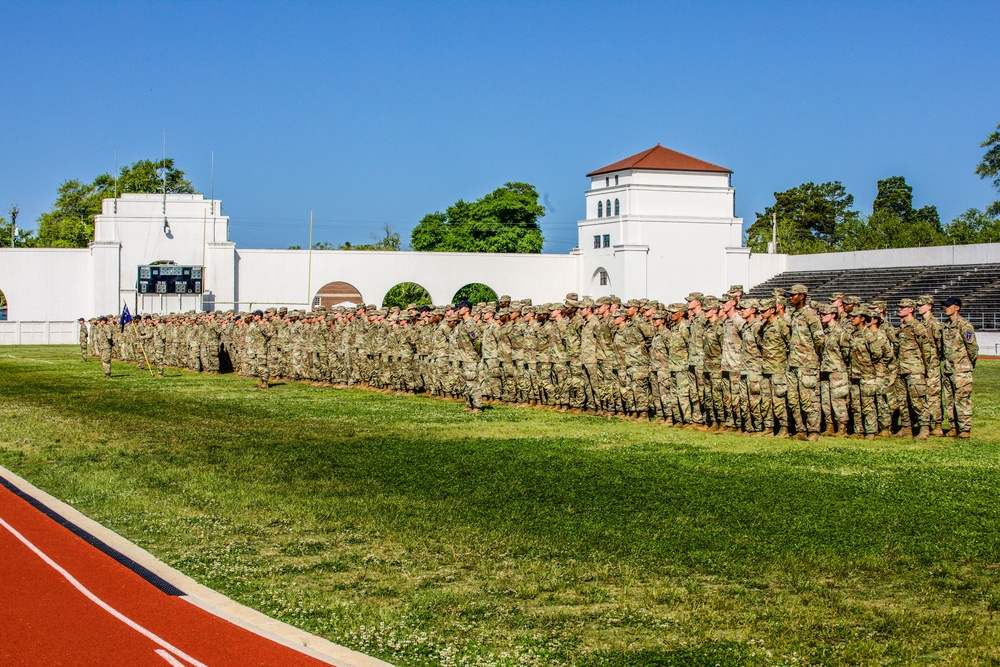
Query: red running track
column 111, row 615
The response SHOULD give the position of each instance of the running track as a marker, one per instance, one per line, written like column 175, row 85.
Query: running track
column 65, row 602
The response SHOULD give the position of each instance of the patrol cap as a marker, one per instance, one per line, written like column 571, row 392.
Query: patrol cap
column 616, row 300
column 736, row 288
column 953, row 301
column 676, row 307
column 925, row 300
column 827, row 309
column 525, row 302
column 800, row 289
column 852, row 300
column 587, row 303
column 371, row 306
column 728, row 296
column 837, row 295
column 766, row 303
column 505, row 297
column 750, row 303
column 694, row 296
column 879, row 303
column 710, row 303
column 604, row 301
column 272, row 309
column 572, row 296
column 660, row 315
column 907, row 303
column 780, row 300
column 779, row 291
column 632, row 303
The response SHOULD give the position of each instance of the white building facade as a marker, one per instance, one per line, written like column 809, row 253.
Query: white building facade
column 657, row 224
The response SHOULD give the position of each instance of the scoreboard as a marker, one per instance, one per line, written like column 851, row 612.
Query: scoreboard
column 170, row 279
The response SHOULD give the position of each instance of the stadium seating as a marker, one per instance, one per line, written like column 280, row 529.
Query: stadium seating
column 977, row 284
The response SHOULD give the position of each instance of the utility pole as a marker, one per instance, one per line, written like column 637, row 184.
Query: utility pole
column 13, row 224
column 774, row 233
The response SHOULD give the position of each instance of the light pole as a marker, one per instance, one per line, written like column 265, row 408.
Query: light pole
column 13, row 224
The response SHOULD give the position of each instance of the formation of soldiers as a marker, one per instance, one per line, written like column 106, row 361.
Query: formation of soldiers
column 781, row 366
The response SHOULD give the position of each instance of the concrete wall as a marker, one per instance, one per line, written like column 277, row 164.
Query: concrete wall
column 39, row 333
column 47, row 284
column 276, row 277
column 761, row 267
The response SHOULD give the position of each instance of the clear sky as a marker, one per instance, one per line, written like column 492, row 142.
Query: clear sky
column 381, row 112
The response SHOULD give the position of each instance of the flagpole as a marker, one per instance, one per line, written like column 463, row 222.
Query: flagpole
column 143, row 348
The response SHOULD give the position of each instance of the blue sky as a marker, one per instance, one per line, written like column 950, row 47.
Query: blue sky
column 381, row 112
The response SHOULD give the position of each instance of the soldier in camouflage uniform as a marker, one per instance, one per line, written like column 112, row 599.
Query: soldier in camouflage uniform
column 84, row 338
column 630, row 348
column 915, row 354
column 679, row 365
column 659, row 359
column 467, row 341
column 105, row 341
column 256, row 345
column 774, row 338
column 960, row 354
column 806, row 340
column 834, row 379
column 925, row 307
column 751, row 374
column 713, row 408
column 732, row 362
column 867, row 349
column 696, row 355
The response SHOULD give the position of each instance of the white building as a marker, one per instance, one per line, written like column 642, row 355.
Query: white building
column 657, row 224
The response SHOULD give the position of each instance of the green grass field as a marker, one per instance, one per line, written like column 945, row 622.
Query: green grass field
column 409, row 529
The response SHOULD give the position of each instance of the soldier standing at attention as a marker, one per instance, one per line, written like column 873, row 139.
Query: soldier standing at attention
column 105, row 342
column 468, row 341
column 835, row 383
column 867, row 349
column 925, row 306
column 916, row 354
column 83, row 338
column 960, row 353
column 774, row 337
column 713, row 409
column 256, row 339
column 751, row 373
column 806, row 341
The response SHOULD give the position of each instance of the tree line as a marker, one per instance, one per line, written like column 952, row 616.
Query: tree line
column 820, row 218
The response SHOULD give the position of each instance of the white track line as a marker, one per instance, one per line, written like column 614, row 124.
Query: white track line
column 101, row 603
column 171, row 660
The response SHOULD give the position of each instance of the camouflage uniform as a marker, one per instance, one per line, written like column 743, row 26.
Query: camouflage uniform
column 774, row 339
column 915, row 355
column 751, row 374
column 834, row 378
column 867, row 350
column 84, row 342
column 960, row 353
column 806, row 339
column 630, row 348
column 713, row 407
column 732, row 369
column 679, row 363
column 934, row 386
column 467, row 341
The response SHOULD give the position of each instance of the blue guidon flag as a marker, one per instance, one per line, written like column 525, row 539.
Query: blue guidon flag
column 125, row 318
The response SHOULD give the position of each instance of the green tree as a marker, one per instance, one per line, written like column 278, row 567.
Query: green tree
column 989, row 167
column 389, row 240
column 23, row 239
column 974, row 226
column 70, row 223
column 505, row 220
column 475, row 293
column 885, row 229
column 895, row 196
column 404, row 294
column 808, row 219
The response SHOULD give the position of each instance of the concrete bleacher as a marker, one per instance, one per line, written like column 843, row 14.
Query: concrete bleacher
column 978, row 285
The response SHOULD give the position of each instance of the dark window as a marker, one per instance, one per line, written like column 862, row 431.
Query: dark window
column 607, row 181
column 604, row 277
column 607, row 207
column 616, row 208
column 616, row 179
column 607, row 240
column 600, row 209
column 597, row 241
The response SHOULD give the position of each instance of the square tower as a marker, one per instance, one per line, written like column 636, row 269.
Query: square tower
column 658, row 224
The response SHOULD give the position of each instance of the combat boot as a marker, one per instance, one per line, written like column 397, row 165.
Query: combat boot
column 924, row 432
column 813, row 437
column 782, row 432
column 904, row 432
column 964, row 435
column 937, row 432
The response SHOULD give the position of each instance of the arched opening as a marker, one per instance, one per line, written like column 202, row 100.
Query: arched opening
column 475, row 293
column 600, row 283
column 337, row 293
column 3, row 307
column 404, row 294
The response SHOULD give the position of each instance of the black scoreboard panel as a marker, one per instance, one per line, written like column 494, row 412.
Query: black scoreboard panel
column 170, row 279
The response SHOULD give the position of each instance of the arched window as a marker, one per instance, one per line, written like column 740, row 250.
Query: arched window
column 616, row 208
column 607, row 207
column 600, row 209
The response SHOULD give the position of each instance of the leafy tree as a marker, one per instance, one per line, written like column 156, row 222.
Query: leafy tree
column 70, row 223
column 404, row 294
column 505, row 220
column 895, row 196
column 808, row 219
column 884, row 228
column 389, row 240
column 475, row 293
column 22, row 240
column 989, row 167
column 974, row 226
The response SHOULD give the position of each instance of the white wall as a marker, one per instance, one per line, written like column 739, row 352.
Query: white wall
column 276, row 277
column 46, row 284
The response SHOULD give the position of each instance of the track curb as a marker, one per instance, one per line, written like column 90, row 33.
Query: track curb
column 201, row 596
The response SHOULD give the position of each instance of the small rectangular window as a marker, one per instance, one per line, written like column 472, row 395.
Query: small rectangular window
column 597, row 241
column 616, row 179
column 607, row 240
column 604, row 278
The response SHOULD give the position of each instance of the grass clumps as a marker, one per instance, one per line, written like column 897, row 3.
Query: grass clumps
column 409, row 529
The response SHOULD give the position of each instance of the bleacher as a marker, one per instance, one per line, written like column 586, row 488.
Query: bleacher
column 978, row 285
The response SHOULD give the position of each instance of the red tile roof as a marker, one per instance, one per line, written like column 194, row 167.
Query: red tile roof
column 663, row 159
